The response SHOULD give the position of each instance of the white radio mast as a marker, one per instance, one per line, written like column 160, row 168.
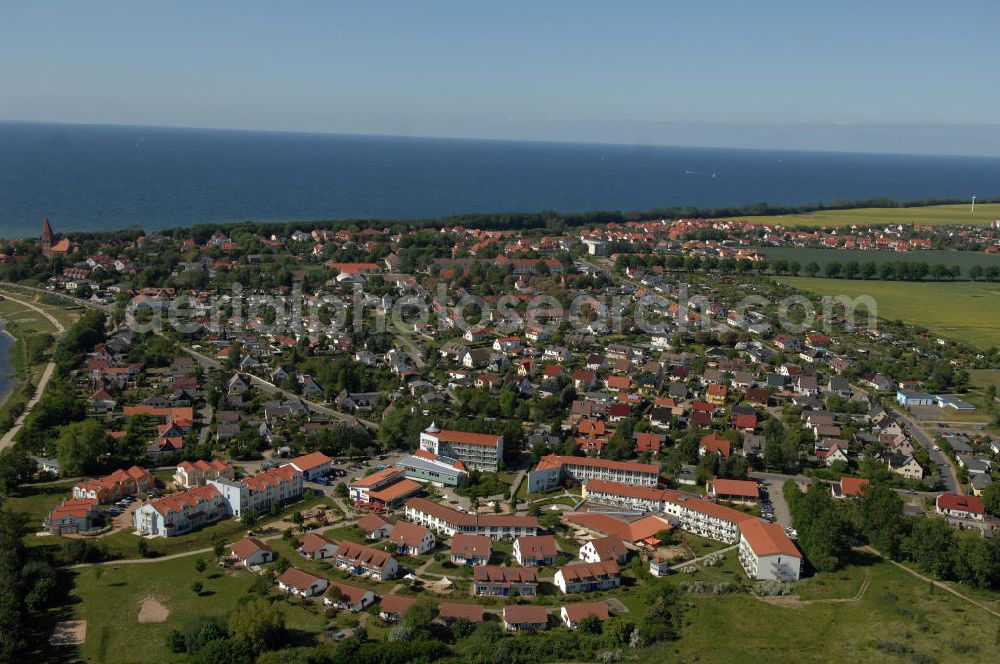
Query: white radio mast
column 973, row 210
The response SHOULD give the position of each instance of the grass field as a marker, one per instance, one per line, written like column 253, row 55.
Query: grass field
column 25, row 318
column 897, row 614
column 897, row 618
column 964, row 311
column 805, row 255
column 930, row 215
column 983, row 377
column 35, row 502
column 109, row 601
column 66, row 313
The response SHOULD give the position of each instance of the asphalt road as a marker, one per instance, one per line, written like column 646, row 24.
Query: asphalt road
column 945, row 469
column 774, row 482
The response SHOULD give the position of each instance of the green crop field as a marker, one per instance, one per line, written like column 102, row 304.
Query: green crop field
column 935, row 215
column 806, row 255
column 964, row 311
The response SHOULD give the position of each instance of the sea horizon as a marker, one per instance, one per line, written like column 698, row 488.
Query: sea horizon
column 87, row 177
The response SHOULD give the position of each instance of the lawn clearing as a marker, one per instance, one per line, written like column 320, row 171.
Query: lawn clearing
column 964, row 311
column 896, row 612
column 113, row 599
column 933, row 215
column 36, row 501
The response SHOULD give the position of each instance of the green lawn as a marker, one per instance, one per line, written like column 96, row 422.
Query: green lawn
column 896, row 609
column 964, row 311
column 110, row 604
column 702, row 546
column 25, row 319
column 897, row 612
column 930, row 215
column 981, row 378
column 35, row 502
column 66, row 314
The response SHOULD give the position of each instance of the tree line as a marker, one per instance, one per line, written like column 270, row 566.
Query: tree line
column 549, row 220
column 827, row 530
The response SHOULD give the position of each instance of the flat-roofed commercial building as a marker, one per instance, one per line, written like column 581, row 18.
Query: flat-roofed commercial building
column 425, row 466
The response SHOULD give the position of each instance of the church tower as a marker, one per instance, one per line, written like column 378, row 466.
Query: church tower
column 46, row 238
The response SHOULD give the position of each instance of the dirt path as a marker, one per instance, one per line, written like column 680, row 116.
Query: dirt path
column 795, row 602
column 8, row 438
column 939, row 584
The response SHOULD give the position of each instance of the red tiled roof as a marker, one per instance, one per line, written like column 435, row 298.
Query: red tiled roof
column 470, row 546
column 175, row 502
column 399, row 604
column 581, row 571
column 853, row 486
column 713, row 442
column 310, row 461
column 454, row 611
column 554, row 460
column 609, row 547
column 630, row 531
column 951, row 501
column 577, row 612
column 742, row 488
column 467, row 437
column 501, row 574
column 395, row 491
column 247, row 546
column 314, row 541
column 768, row 539
column 370, row 522
column 379, row 476
column 408, row 533
column 297, row 578
column 537, row 546
column 365, row 554
column 525, row 614
column 353, row 594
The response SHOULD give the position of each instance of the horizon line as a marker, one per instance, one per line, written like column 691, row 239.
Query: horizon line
column 539, row 141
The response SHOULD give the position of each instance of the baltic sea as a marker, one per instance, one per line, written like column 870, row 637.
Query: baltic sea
column 102, row 178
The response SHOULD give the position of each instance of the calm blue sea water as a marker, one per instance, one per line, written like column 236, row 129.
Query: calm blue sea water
column 86, row 177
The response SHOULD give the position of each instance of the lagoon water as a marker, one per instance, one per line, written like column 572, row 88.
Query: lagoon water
column 101, row 177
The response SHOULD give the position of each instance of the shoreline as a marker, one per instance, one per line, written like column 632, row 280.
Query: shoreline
column 522, row 219
column 15, row 382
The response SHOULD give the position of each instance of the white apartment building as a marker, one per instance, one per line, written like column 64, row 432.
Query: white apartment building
column 767, row 553
column 481, row 451
column 259, row 492
column 553, row 468
column 447, row 521
column 687, row 511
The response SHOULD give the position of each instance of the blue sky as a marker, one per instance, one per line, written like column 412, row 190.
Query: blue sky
column 880, row 76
